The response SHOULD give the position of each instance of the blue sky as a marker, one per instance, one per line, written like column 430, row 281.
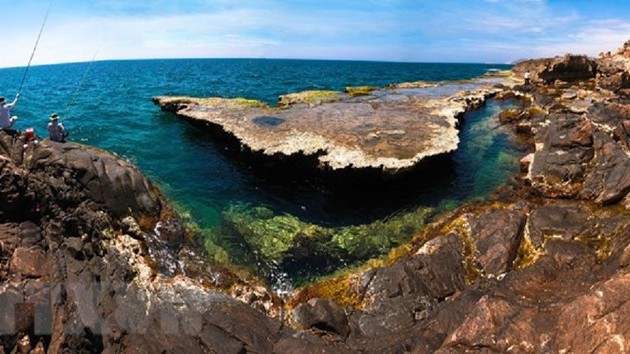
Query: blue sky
column 493, row 31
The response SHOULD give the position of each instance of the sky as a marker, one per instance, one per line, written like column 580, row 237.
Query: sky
column 480, row 31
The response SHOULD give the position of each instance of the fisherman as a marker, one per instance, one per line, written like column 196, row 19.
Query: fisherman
column 56, row 129
column 6, row 120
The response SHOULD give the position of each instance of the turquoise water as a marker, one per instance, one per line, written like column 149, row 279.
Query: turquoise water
column 112, row 109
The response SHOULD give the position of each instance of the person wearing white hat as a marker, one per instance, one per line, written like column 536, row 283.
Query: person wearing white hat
column 6, row 120
column 56, row 130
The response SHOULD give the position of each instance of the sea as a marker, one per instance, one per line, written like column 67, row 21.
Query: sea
column 108, row 104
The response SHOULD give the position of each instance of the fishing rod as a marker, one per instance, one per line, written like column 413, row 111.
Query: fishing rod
column 41, row 30
column 76, row 92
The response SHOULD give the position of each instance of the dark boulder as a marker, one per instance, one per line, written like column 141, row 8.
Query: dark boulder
column 108, row 179
column 569, row 68
column 15, row 198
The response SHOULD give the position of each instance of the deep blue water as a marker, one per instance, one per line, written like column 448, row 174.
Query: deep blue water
column 112, row 109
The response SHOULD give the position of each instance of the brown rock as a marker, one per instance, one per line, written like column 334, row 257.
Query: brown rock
column 621, row 134
column 489, row 317
column 566, row 253
column 440, row 265
column 510, row 115
column 609, row 181
column 30, row 263
column 569, row 130
column 397, row 297
column 299, row 346
column 599, row 316
column 497, row 235
column 393, row 296
column 74, row 245
column 566, row 221
column 108, row 179
column 610, row 114
column 322, row 314
column 615, row 82
column 582, row 134
column 560, row 165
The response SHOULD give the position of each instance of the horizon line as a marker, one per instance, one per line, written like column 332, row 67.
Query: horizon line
column 259, row 58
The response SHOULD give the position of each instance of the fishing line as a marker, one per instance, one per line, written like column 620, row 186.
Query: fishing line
column 76, row 92
column 41, row 30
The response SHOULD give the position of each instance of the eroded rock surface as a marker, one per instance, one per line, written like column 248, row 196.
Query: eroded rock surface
column 390, row 129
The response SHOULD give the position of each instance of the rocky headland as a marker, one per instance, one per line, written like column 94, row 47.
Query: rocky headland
column 92, row 258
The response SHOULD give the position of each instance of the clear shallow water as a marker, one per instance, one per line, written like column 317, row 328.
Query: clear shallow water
column 113, row 110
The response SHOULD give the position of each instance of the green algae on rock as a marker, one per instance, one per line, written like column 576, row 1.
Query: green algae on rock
column 311, row 97
column 355, row 91
column 279, row 239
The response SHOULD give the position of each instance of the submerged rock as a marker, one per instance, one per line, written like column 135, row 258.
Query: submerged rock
column 292, row 245
column 390, row 129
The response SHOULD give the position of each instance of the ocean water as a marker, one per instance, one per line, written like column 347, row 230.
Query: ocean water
column 108, row 104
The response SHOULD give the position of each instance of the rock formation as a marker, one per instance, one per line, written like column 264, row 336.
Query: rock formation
column 614, row 70
column 391, row 129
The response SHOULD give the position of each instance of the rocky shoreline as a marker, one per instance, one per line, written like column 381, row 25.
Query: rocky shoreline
column 92, row 257
column 541, row 267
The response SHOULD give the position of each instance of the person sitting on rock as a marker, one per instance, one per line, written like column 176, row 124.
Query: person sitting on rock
column 527, row 78
column 6, row 121
column 56, row 130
